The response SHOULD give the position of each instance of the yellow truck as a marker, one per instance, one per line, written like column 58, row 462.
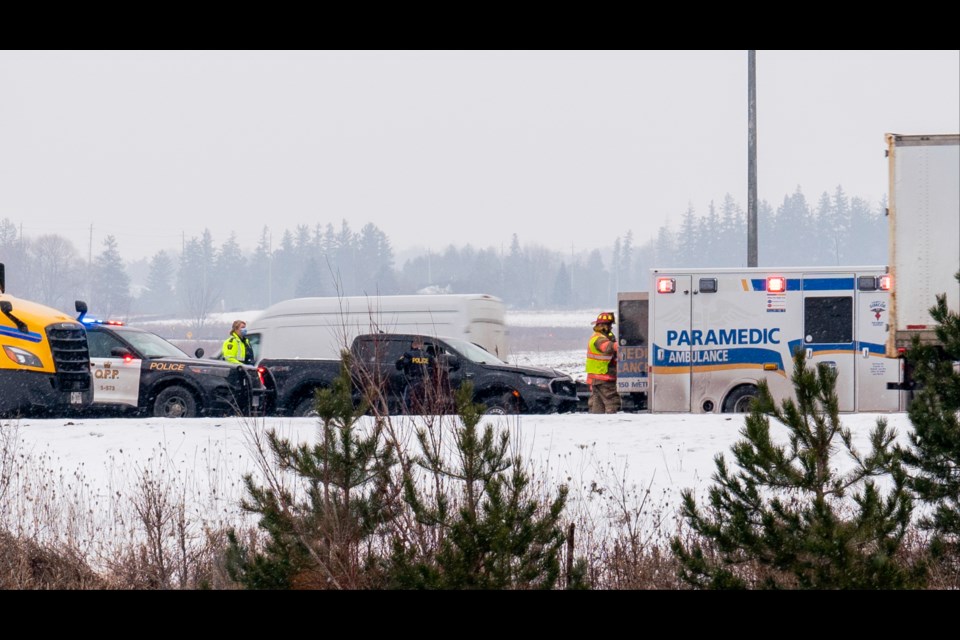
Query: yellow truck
column 45, row 364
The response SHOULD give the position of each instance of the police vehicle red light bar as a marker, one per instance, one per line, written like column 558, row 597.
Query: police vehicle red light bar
column 776, row 284
column 886, row 282
column 666, row 285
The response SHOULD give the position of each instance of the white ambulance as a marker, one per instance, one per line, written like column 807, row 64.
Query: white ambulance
column 714, row 334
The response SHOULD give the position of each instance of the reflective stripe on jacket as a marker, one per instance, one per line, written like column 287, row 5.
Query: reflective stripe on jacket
column 601, row 353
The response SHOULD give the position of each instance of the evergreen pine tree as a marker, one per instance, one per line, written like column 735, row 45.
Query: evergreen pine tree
column 316, row 535
column 158, row 295
column 784, row 519
column 934, row 454
column 493, row 532
column 562, row 291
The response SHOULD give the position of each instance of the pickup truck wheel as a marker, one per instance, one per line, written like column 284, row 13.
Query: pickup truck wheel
column 175, row 402
column 505, row 405
column 306, row 408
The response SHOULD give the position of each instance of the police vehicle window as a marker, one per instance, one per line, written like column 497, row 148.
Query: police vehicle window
column 828, row 320
column 633, row 325
column 153, row 346
column 100, row 344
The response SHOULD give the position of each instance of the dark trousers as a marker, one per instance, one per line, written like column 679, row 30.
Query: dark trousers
column 604, row 397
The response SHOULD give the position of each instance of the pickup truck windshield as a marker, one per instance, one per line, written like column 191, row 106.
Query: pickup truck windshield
column 472, row 352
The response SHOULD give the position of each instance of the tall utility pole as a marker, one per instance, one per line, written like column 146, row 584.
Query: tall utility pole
column 752, row 158
column 90, row 266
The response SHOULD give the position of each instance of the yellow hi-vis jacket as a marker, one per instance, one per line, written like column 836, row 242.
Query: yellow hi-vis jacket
column 235, row 349
column 601, row 358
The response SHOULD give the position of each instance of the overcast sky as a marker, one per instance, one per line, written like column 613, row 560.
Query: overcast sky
column 566, row 149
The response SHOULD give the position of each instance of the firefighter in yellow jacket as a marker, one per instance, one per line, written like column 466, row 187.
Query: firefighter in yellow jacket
column 602, row 366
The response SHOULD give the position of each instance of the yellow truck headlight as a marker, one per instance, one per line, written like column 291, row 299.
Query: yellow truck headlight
column 22, row 357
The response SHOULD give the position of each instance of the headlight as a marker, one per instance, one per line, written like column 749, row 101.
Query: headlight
column 22, row 357
column 536, row 381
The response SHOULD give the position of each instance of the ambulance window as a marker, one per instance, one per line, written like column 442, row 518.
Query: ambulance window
column 828, row 320
column 708, row 285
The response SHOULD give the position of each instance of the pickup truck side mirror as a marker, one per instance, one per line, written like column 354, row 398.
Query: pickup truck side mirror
column 199, row 352
column 451, row 362
column 120, row 352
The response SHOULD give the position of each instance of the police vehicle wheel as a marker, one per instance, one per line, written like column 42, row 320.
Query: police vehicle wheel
column 305, row 409
column 504, row 405
column 175, row 402
column 739, row 400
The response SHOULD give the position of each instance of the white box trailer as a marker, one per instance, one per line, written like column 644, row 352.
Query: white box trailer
column 715, row 333
column 319, row 327
column 924, row 227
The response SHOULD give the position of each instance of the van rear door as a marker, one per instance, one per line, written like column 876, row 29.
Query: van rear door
column 828, row 324
column 671, row 352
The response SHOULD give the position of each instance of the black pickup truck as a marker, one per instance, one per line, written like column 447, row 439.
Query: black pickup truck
column 502, row 387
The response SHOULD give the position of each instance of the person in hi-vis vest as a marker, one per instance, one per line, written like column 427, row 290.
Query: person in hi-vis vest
column 602, row 366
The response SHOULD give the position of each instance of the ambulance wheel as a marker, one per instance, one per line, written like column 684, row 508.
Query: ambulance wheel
column 175, row 402
column 739, row 399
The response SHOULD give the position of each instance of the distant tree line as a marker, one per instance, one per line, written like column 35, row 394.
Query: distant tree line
column 324, row 260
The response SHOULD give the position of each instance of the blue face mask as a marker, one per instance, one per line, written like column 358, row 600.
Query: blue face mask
column 243, row 332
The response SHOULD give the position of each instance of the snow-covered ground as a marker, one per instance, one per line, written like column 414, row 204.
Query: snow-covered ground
column 95, row 470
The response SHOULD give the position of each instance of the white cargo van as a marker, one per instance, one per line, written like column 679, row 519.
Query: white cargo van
column 321, row 327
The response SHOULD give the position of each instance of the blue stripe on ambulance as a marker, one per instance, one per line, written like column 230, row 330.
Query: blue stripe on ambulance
column 680, row 361
column 839, row 347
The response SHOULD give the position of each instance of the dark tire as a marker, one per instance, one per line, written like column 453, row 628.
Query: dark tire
column 504, row 405
column 306, row 408
column 175, row 402
column 740, row 399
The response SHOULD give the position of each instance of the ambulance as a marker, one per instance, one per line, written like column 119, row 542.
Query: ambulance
column 714, row 334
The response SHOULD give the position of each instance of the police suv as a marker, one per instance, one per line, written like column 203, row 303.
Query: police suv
column 136, row 371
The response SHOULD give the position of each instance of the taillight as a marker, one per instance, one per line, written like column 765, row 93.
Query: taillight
column 666, row 285
column 776, row 284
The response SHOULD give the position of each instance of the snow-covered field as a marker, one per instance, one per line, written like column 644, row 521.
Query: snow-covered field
column 96, row 469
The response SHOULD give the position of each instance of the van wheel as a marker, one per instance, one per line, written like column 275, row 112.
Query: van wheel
column 505, row 405
column 306, row 408
column 175, row 402
column 740, row 399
